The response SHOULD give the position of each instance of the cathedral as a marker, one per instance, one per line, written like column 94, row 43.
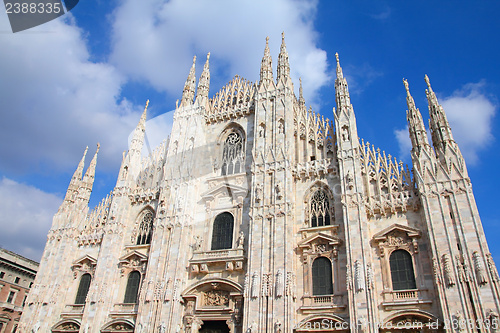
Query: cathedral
column 258, row 214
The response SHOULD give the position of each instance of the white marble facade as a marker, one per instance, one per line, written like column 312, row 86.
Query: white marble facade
column 260, row 215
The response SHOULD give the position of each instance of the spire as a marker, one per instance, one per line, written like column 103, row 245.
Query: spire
column 138, row 137
column 188, row 93
column 90, row 174
column 341, row 91
column 340, row 75
column 266, row 69
column 204, row 83
column 88, row 180
column 76, row 179
column 440, row 128
column 302, row 102
column 416, row 127
column 283, row 65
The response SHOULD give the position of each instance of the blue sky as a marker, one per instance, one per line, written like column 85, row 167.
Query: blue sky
column 84, row 78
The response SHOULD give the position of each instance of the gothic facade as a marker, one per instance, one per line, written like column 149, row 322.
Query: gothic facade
column 259, row 215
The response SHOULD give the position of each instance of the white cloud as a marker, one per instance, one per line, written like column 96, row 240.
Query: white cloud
column 470, row 114
column 55, row 101
column 404, row 142
column 155, row 40
column 26, row 216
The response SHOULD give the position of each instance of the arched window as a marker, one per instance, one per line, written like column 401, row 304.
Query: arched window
column 232, row 154
column 83, row 289
column 145, row 228
column 322, row 276
column 402, row 270
column 319, row 209
column 134, row 280
column 222, row 235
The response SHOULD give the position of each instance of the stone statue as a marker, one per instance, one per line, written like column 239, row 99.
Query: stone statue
column 198, row 242
column 241, row 240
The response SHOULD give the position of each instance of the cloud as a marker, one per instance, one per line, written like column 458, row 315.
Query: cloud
column 26, row 215
column 54, row 101
column 470, row 114
column 154, row 40
column 404, row 142
column 360, row 77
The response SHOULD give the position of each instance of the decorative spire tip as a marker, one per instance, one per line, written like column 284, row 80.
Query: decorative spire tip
column 427, row 81
column 406, row 85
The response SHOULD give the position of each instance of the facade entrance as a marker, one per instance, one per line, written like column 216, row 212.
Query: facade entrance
column 214, row 326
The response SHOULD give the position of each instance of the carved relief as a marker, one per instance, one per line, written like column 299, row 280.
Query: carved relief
column 479, row 268
column 290, row 285
column 492, row 268
column 86, row 264
column 359, row 280
column 435, row 269
column 448, row 272
column 255, row 285
column 267, row 284
column 216, row 298
column 279, row 283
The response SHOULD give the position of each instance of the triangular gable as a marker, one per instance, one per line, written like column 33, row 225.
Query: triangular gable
column 82, row 260
column 126, row 258
column 382, row 235
column 316, row 238
column 226, row 189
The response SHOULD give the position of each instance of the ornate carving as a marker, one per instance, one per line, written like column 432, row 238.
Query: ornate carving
column 437, row 273
column 279, row 283
column 492, row 268
column 448, row 272
column 267, row 284
column 479, row 268
column 358, row 276
column 255, row 285
column 258, row 193
column 241, row 240
column 369, row 274
column 348, row 277
column 216, row 298
column 278, row 327
column 198, row 242
column 278, row 188
column 290, row 284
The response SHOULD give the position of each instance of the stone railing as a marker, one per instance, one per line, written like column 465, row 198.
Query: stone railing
column 323, row 301
column 406, row 297
column 73, row 310
column 233, row 259
column 10, row 307
column 125, row 308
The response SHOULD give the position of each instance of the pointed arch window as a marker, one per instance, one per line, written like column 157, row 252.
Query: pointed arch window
column 132, row 290
column 322, row 276
column 319, row 209
column 402, row 274
column 83, row 289
column 145, row 229
column 222, row 235
column 232, row 154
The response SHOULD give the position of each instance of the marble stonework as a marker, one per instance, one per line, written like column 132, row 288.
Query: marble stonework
column 300, row 188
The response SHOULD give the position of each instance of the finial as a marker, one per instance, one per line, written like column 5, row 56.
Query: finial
column 208, row 56
column 405, row 82
column 194, row 60
column 267, row 40
column 98, row 146
column 283, row 36
column 427, row 81
column 147, row 103
column 337, row 57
